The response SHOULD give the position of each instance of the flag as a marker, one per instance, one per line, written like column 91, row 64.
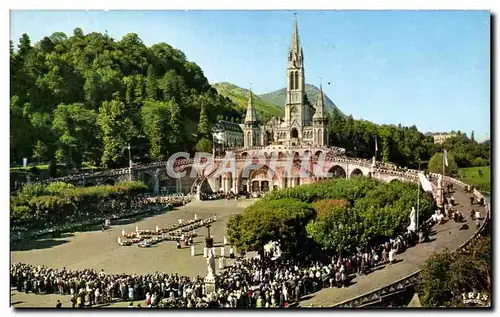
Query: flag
column 376, row 145
column 424, row 182
column 445, row 158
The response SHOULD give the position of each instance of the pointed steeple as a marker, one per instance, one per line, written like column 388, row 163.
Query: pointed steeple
column 295, row 46
column 320, row 104
column 251, row 115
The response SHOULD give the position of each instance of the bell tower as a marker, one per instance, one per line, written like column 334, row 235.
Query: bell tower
column 295, row 108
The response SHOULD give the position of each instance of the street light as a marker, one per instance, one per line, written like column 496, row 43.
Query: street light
column 129, row 163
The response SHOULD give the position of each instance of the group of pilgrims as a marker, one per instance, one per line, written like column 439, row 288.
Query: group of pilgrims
column 261, row 281
column 182, row 232
column 267, row 280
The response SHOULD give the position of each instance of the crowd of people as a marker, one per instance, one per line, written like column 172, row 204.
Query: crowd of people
column 248, row 282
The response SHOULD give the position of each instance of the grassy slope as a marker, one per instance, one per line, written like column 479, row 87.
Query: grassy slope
column 240, row 97
column 470, row 175
column 277, row 97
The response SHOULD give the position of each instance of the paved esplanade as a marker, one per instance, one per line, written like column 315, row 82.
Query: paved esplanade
column 99, row 250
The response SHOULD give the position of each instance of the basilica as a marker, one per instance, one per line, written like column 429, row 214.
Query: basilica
column 304, row 124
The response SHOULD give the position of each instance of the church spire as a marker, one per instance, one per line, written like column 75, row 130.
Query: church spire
column 321, row 97
column 320, row 104
column 251, row 116
column 295, row 46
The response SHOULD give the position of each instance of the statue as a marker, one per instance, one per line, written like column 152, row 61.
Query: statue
column 211, row 264
column 413, row 220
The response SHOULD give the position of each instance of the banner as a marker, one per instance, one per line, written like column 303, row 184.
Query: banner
column 25, row 162
column 445, row 157
column 424, row 182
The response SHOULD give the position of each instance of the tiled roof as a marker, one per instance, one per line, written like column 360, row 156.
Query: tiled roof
column 223, row 125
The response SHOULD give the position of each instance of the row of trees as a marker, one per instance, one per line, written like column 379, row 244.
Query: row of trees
column 337, row 215
column 85, row 97
column 404, row 146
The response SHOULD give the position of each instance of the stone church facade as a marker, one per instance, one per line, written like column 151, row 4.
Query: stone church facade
column 304, row 124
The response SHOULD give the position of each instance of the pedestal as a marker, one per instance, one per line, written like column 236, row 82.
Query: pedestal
column 209, row 285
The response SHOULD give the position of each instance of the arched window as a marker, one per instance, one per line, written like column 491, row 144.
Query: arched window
column 296, row 80
column 249, row 140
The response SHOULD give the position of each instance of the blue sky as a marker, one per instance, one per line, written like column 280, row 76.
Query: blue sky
column 428, row 68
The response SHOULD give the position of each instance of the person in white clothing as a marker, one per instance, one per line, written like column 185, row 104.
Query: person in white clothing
column 193, row 251
column 391, row 256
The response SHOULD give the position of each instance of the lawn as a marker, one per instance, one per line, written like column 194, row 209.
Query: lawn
column 478, row 176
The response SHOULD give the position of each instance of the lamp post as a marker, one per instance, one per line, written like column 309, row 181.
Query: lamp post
column 129, row 163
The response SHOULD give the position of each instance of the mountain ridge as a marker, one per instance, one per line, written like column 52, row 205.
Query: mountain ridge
column 278, row 97
column 269, row 104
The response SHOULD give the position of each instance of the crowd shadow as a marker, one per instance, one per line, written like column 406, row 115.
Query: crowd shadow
column 26, row 245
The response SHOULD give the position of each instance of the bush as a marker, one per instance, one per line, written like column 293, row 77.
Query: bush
column 55, row 203
column 348, row 213
column 479, row 161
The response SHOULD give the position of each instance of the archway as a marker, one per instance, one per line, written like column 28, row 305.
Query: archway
column 148, row 180
column 318, row 153
column 394, row 180
column 255, row 186
column 163, row 181
column 337, row 172
column 269, row 137
column 109, row 181
column 264, row 186
column 294, row 133
column 356, row 173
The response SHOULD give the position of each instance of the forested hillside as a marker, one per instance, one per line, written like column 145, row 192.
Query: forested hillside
column 84, row 97
column 239, row 96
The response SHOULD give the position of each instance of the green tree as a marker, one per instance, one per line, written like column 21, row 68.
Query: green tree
column 113, row 131
column 203, row 125
column 151, row 85
column 74, row 126
column 436, row 164
column 175, row 130
column 155, row 116
column 281, row 220
column 203, row 145
column 40, row 152
column 444, row 276
column 336, row 228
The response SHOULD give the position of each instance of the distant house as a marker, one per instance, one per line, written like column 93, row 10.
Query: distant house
column 227, row 134
column 440, row 137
